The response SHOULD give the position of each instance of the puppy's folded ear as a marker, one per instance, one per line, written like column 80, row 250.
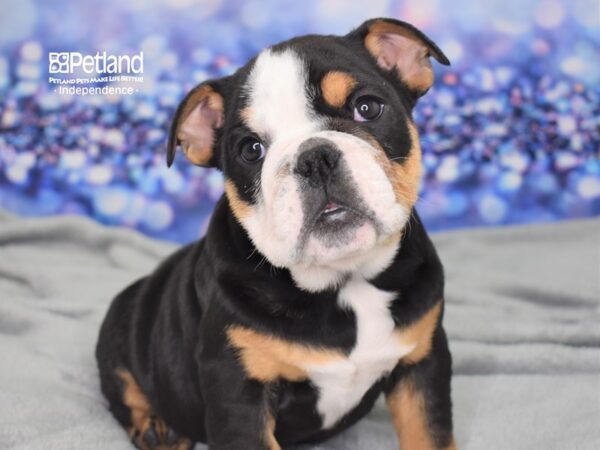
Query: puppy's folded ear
column 399, row 46
column 196, row 122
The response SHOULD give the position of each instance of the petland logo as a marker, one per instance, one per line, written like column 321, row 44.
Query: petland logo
column 108, row 74
column 69, row 62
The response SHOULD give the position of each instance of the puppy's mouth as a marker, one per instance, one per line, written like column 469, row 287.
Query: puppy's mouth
column 333, row 216
column 332, row 211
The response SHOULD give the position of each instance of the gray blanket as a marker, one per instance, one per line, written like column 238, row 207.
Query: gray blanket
column 522, row 316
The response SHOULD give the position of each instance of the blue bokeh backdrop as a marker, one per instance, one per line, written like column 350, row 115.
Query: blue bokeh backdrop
column 511, row 131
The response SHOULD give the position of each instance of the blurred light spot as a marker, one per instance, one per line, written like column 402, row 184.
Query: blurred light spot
column 450, row 78
column 453, row 50
column 492, row 209
column 10, row 118
column 420, row 12
column 29, row 71
column 99, row 174
column 17, row 174
column 540, row 47
column 256, row 14
column 135, row 210
column 339, row 16
column 111, row 202
column 215, row 184
column 549, row 14
column 573, row 65
column 514, row 160
column 448, row 169
column 73, row 159
column 153, row 46
column 31, row 51
column 589, row 187
column 567, row 124
column 510, row 181
column 173, row 181
column 114, row 138
column 18, row 20
column 545, row 183
column 510, row 27
column 566, row 160
column 456, row 204
column 25, row 159
column 157, row 215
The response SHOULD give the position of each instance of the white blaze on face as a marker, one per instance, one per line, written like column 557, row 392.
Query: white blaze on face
column 277, row 88
column 280, row 112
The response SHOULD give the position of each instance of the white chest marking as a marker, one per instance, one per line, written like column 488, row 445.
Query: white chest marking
column 342, row 384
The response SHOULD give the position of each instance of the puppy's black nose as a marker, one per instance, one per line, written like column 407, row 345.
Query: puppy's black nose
column 318, row 164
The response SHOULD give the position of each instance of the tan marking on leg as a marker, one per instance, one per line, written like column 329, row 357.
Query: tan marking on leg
column 407, row 408
column 142, row 417
column 270, row 433
column 336, row 86
column 240, row 208
column 451, row 445
column 268, row 358
column 134, row 398
column 420, row 334
column 161, row 429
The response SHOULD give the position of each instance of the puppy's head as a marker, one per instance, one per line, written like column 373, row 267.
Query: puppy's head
column 316, row 141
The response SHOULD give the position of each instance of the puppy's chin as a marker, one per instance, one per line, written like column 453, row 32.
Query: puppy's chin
column 325, row 255
column 334, row 244
column 326, row 261
column 324, row 267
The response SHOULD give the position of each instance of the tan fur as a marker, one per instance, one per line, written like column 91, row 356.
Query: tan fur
column 407, row 173
column 420, row 333
column 404, row 174
column 142, row 417
column 270, row 433
column 268, row 358
column 414, row 68
column 201, row 154
column 203, row 94
column 134, row 398
column 451, row 445
column 240, row 208
column 407, row 408
column 336, row 86
column 247, row 116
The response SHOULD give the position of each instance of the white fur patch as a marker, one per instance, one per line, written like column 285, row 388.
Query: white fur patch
column 342, row 384
column 278, row 101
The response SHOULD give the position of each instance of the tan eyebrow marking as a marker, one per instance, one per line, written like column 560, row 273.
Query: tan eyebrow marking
column 336, row 86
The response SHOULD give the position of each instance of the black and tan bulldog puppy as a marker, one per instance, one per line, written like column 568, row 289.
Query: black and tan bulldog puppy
column 316, row 287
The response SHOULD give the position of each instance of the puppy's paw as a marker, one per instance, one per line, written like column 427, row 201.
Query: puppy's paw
column 154, row 434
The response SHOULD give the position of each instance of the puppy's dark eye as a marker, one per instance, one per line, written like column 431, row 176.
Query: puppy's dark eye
column 367, row 108
column 252, row 150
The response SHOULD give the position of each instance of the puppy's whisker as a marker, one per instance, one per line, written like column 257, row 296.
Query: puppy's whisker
column 251, row 254
column 260, row 263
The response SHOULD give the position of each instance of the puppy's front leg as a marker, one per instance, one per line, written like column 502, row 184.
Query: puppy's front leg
column 418, row 397
column 239, row 411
